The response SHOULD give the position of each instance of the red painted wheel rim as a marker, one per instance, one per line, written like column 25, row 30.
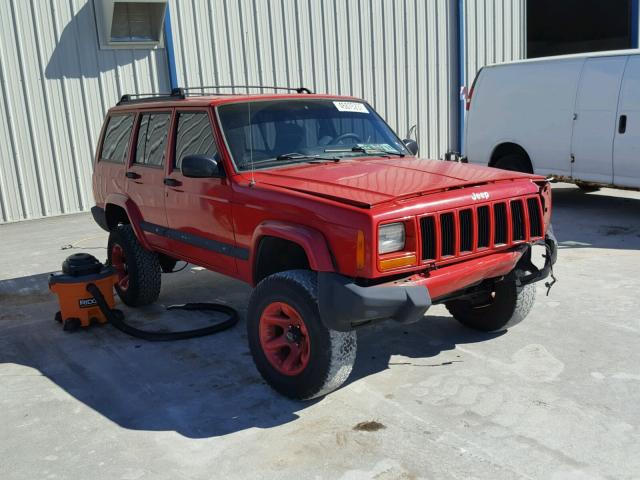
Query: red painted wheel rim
column 119, row 263
column 284, row 338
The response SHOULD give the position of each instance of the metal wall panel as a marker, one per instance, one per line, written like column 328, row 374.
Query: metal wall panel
column 400, row 55
column 397, row 54
column 495, row 31
column 56, row 86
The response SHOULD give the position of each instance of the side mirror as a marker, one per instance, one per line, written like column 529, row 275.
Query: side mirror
column 411, row 145
column 201, row 166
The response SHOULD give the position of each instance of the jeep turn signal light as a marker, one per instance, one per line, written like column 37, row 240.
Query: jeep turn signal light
column 391, row 263
column 360, row 253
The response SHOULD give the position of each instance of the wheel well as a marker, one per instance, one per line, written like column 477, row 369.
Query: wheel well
column 115, row 216
column 509, row 148
column 277, row 255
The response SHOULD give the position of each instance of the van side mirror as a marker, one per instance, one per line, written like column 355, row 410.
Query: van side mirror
column 201, row 166
column 411, row 145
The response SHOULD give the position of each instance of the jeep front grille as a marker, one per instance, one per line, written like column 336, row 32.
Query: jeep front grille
column 480, row 227
column 447, row 234
column 466, row 230
column 500, row 224
column 535, row 217
column 517, row 220
column 428, row 227
column 484, row 226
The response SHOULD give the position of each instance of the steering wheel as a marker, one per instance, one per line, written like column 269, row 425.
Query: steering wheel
column 344, row 136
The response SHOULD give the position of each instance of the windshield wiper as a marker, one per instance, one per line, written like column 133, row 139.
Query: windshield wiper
column 301, row 156
column 363, row 150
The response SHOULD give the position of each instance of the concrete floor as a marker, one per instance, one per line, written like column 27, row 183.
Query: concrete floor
column 557, row 397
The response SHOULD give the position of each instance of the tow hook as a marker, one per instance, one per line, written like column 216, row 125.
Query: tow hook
column 527, row 272
column 548, row 257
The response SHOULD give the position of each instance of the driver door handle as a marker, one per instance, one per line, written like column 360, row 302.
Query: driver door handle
column 622, row 124
column 133, row 175
column 172, row 182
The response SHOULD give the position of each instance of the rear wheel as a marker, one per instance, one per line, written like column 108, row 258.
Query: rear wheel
column 587, row 187
column 515, row 162
column 504, row 307
column 138, row 269
column 292, row 349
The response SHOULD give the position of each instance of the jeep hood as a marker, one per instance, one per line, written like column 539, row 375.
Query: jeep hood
column 371, row 181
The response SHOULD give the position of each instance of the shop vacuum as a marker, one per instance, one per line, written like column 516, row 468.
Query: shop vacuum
column 85, row 293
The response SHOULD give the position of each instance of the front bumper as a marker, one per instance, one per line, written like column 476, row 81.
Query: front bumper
column 345, row 305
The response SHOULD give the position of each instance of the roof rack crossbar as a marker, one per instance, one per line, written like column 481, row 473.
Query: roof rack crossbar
column 182, row 93
column 259, row 87
column 175, row 94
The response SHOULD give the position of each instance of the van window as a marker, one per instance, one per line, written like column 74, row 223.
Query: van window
column 116, row 139
column 194, row 136
column 152, row 139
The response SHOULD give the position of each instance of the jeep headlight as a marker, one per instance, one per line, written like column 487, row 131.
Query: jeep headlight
column 391, row 237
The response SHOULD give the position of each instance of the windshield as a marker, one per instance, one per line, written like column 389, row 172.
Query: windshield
column 271, row 133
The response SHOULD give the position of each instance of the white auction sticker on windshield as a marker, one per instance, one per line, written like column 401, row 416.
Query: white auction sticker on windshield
column 356, row 107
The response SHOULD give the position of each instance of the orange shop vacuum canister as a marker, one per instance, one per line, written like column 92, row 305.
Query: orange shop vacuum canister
column 77, row 306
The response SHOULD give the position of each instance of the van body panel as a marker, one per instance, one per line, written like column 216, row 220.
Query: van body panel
column 576, row 116
column 596, row 109
column 626, row 149
column 505, row 108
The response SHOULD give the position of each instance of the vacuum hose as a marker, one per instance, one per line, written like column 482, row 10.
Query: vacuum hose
column 116, row 318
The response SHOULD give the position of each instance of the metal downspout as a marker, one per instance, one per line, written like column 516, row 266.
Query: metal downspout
column 461, row 73
column 168, row 45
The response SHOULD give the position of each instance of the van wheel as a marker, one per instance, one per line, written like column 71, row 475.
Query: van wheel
column 514, row 162
column 138, row 269
column 505, row 307
column 294, row 352
column 587, row 187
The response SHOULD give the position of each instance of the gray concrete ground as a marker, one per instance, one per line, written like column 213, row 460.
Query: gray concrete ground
column 557, row 397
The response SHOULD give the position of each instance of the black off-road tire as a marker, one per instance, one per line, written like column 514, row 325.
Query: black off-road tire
column 514, row 162
column 510, row 305
column 587, row 187
column 143, row 268
column 332, row 353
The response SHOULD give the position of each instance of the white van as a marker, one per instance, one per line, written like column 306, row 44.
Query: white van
column 576, row 117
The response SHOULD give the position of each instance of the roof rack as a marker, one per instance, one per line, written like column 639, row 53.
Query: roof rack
column 259, row 87
column 182, row 93
column 175, row 94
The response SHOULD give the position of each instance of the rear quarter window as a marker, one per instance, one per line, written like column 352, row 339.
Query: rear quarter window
column 116, row 139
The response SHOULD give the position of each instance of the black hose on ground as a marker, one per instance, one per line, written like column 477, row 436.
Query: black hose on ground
column 116, row 318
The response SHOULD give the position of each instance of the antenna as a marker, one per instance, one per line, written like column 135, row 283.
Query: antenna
column 253, row 179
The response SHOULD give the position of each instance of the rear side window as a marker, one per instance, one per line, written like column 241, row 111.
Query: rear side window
column 194, row 136
column 152, row 139
column 116, row 139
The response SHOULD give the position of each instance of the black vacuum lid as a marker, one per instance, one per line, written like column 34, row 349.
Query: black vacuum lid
column 80, row 264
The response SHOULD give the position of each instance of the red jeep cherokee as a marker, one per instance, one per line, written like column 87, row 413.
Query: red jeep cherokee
column 316, row 202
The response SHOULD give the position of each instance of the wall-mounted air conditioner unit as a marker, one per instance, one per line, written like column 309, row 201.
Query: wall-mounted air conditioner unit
column 125, row 24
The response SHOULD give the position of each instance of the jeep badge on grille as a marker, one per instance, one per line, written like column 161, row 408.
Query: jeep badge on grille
column 480, row 196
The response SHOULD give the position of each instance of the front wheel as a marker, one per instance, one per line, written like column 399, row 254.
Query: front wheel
column 292, row 349
column 507, row 305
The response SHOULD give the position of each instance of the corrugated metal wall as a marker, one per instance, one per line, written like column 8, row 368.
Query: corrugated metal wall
column 400, row 55
column 495, row 31
column 56, row 86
